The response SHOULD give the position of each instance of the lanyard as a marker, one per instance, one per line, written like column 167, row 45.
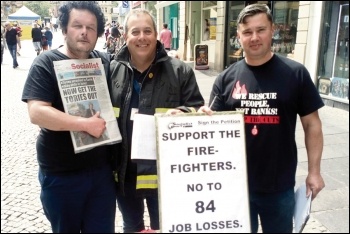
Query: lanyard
column 137, row 86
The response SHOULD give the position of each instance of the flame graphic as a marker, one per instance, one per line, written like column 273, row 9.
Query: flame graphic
column 238, row 90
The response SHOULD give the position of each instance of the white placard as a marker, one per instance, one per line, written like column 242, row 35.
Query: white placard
column 143, row 144
column 202, row 173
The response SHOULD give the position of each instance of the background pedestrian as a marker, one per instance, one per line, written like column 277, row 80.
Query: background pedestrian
column 36, row 37
column 166, row 37
column 12, row 40
column 49, row 36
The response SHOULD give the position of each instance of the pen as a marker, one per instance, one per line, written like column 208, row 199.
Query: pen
column 213, row 101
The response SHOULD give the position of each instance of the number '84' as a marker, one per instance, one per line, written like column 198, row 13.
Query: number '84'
column 200, row 206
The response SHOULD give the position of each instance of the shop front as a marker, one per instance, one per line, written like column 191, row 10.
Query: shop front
column 333, row 63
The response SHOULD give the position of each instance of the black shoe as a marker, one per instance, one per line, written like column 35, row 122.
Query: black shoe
column 15, row 66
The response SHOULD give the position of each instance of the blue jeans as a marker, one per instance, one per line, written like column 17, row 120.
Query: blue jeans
column 13, row 52
column 82, row 202
column 275, row 211
column 132, row 208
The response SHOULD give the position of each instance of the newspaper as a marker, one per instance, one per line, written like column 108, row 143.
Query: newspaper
column 302, row 208
column 84, row 91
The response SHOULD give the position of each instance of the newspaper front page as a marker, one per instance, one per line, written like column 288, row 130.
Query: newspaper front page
column 84, row 91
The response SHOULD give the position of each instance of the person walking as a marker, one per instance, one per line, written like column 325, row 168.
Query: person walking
column 49, row 36
column 36, row 37
column 144, row 78
column 271, row 90
column 107, row 31
column 78, row 192
column 121, row 38
column 206, row 34
column 19, row 32
column 166, row 37
column 112, row 43
column 12, row 40
column 44, row 42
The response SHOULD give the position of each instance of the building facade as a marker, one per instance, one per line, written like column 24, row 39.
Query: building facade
column 314, row 33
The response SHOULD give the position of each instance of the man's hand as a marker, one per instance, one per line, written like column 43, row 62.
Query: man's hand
column 315, row 184
column 95, row 125
column 173, row 112
column 205, row 109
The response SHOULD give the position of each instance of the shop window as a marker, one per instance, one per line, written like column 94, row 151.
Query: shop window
column 333, row 62
column 235, row 52
column 285, row 17
column 209, row 21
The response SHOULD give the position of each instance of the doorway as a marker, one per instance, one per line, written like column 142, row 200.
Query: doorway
column 195, row 28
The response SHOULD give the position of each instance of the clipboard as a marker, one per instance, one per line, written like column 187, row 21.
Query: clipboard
column 302, row 208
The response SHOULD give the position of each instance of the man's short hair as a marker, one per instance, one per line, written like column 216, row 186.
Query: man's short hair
column 136, row 12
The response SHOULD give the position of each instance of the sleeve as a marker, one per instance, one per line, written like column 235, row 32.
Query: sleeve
column 191, row 96
column 186, row 109
column 41, row 83
column 216, row 93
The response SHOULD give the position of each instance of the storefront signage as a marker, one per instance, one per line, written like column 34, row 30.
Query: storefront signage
column 201, row 58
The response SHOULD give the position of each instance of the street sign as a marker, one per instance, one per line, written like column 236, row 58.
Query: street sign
column 125, row 4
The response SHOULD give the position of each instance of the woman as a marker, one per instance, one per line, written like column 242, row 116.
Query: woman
column 206, row 30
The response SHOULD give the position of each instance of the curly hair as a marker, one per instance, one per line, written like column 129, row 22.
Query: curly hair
column 91, row 6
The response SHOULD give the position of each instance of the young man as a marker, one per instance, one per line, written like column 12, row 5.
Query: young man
column 36, row 37
column 143, row 78
column 77, row 190
column 166, row 37
column 12, row 40
column 271, row 90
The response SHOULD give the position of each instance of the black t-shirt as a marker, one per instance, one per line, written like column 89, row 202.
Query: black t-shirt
column 36, row 34
column 11, row 38
column 271, row 96
column 55, row 151
column 48, row 35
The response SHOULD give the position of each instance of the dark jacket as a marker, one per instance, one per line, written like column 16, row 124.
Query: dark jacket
column 36, row 34
column 173, row 86
column 48, row 34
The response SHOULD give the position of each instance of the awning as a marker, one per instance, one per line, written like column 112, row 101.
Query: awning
column 23, row 14
column 164, row 4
